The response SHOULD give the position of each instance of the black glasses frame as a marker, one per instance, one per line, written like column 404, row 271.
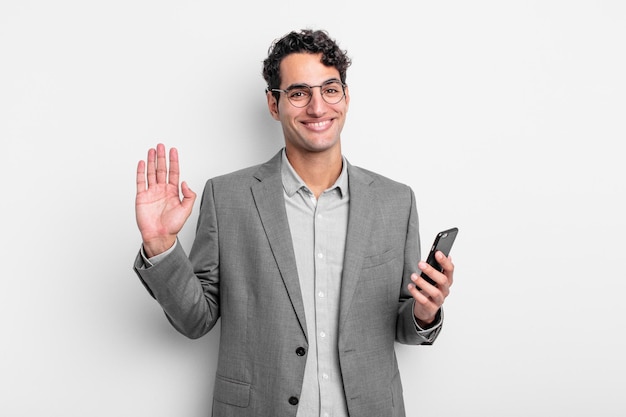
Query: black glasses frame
column 310, row 88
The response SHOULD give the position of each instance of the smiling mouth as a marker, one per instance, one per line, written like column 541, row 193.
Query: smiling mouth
column 318, row 125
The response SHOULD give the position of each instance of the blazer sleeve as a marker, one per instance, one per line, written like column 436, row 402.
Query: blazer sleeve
column 406, row 329
column 187, row 288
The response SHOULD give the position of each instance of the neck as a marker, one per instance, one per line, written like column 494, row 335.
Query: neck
column 318, row 170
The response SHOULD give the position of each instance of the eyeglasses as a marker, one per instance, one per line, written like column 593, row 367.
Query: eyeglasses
column 299, row 95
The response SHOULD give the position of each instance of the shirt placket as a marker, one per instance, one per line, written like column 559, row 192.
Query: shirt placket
column 322, row 319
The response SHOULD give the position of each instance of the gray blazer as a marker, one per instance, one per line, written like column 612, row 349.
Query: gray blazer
column 242, row 269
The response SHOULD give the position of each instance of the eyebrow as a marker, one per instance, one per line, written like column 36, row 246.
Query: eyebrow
column 328, row 81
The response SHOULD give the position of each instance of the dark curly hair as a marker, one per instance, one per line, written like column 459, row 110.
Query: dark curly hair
column 307, row 41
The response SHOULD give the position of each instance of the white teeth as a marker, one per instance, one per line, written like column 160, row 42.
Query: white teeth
column 318, row 124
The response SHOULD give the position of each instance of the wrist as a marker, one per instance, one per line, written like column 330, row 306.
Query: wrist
column 426, row 324
column 156, row 247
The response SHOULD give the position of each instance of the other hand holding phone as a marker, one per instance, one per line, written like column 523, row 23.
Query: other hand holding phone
column 430, row 292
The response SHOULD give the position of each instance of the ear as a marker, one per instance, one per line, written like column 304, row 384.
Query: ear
column 272, row 105
column 347, row 90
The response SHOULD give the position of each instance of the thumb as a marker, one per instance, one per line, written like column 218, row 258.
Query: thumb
column 189, row 197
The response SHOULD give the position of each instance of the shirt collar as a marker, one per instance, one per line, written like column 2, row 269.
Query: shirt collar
column 292, row 181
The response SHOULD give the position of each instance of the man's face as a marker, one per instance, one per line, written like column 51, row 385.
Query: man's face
column 317, row 126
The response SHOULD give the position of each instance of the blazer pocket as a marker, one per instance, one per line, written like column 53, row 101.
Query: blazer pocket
column 380, row 280
column 380, row 259
column 231, row 392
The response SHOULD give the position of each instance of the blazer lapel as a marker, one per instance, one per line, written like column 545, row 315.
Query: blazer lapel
column 359, row 229
column 270, row 203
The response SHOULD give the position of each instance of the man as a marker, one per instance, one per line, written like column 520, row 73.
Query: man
column 310, row 262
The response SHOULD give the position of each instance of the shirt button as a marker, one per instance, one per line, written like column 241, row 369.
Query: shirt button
column 322, row 334
column 301, row 351
column 320, row 255
column 293, row 400
column 325, row 376
column 320, row 294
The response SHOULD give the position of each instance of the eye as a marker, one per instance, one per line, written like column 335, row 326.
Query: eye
column 332, row 89
column 299, row 94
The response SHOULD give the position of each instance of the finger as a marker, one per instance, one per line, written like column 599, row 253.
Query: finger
column 447, row 265
column 174, row 172
column 417, row 294
column 435, row 294
column 431, row 272
column 151, row 173
column 451, row 272
column 423, row 301
column 141, row 177
column 161, row 164
column 189, row 197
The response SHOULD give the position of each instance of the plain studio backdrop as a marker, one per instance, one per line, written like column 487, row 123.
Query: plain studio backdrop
column 506, row 118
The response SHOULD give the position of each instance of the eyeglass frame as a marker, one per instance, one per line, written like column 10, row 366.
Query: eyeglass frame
column 311, row 87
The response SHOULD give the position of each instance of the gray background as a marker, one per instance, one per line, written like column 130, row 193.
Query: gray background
column 507, row 119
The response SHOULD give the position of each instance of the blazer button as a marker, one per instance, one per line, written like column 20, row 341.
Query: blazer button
column 301, row 351
column 293, row 400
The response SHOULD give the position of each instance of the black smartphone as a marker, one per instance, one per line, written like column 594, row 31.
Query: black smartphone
column 443, row 242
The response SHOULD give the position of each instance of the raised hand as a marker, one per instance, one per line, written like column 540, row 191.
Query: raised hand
column 159, row 210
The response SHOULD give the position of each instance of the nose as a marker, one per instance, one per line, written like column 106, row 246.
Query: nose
column 317, row 103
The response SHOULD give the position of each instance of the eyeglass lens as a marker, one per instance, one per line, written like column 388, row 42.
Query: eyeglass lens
column 300, row 96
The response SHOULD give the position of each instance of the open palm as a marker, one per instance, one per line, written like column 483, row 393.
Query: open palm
column 159, row 210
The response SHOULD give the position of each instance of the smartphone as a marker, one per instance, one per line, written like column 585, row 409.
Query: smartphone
column 443, row 242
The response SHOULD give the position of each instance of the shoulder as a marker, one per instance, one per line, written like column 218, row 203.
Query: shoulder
column 389, row 201
column 378, row 182
column 237, row 176
column 245, row 177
